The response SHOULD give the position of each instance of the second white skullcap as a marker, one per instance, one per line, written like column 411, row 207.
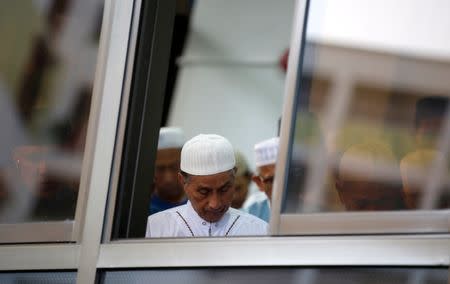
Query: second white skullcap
column 207, row 154
column 170, row 137
column 266, row 152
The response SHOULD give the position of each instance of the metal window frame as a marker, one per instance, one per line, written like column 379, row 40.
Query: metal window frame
column 42, row 232
column 139, row 135
column 91, row 255
column 279, row 251
column 39, row 257
column 110, row 75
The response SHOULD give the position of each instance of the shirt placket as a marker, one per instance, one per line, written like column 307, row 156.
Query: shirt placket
column 206, row 228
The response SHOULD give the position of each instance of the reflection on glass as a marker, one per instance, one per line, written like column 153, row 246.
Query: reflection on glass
column 47, row 62
column 372, row 127
column 343, row 275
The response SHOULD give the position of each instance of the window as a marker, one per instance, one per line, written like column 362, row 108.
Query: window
column 124, row 119
column 47, row 64
column 225, row 76
column 369, row 135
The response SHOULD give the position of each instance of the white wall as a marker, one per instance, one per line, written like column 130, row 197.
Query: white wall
column 230, row 83
column 413, row 27
column 249, row 30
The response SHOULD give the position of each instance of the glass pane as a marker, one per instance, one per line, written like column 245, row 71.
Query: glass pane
column 371, row 127
column 38, row 277
column 282, row 275
column 226, row 76
column 47, row 63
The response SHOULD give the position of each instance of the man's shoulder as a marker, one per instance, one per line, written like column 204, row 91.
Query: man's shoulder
column 166, row 214
column 163, row 223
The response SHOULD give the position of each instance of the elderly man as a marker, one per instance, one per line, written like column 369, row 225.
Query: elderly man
column 207, row 172
column 266, row 153
column 167, row 190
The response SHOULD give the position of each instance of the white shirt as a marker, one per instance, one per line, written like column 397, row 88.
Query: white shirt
column 183, row 221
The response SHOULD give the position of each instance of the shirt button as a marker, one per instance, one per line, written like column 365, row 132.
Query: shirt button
column 217, row 225
column 204, row 223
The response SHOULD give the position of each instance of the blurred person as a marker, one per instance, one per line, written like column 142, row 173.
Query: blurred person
column 415, row 166
column 266, row 153
column 367, row 178
column 207, row 172
column 167, row 190
column 52, row 177
column 15, row 199
column 57, row 167
column 242, row 181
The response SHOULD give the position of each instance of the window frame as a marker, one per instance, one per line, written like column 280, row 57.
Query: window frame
column 95, row 251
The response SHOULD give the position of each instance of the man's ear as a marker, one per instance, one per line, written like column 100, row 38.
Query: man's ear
column 258, row 182
column 181, row 179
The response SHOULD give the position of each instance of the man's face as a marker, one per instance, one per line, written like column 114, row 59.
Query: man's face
column 264, row 180
column 210, row 195
column 369, row 195
column 428, row 131
column 166, row 182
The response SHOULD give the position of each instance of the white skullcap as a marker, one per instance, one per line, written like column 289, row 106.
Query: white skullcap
column 170, row 137
column 207, row 154
column 266, row 152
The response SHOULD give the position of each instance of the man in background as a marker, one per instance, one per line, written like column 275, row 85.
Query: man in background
column 266, row 153
column 167, row 190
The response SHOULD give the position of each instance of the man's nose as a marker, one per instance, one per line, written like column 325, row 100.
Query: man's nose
column 214, row 202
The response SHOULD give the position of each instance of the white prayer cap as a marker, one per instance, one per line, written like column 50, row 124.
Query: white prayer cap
column 207, row 154
column 170, row 137
column 266, row 152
